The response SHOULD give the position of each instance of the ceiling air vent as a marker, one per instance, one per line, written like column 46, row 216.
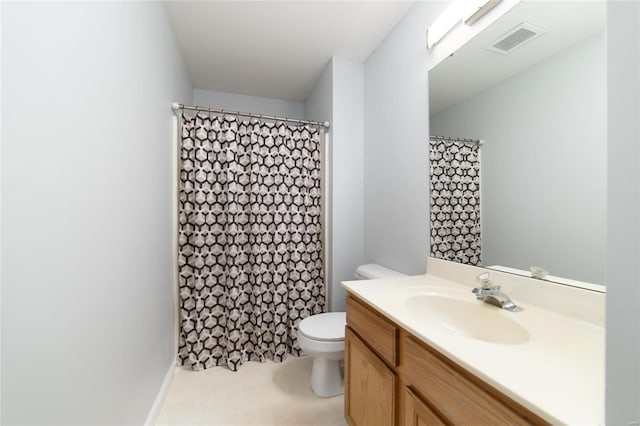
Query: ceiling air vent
column 515, row 38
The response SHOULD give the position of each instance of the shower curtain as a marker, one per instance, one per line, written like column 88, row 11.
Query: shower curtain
column 454, row 174
column 250, row 256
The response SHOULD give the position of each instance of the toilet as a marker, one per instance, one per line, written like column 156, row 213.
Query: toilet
column 321, row 336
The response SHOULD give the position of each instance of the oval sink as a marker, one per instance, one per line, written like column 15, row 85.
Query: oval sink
column 471, row 318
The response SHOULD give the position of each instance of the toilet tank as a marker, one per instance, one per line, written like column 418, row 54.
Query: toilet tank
column 372, row 271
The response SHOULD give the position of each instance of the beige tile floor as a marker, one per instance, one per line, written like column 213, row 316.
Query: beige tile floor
column 260, row 394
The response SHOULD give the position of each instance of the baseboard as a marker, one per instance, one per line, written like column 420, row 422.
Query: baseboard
column 162, row 393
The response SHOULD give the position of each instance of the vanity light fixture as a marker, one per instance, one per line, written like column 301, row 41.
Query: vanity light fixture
column 444, row 23
column 468, row 11
column 476, row 9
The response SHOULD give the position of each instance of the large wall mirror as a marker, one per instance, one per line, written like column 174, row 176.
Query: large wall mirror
column 540, row 110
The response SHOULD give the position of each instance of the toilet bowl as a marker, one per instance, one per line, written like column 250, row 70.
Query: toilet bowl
column 322, row 337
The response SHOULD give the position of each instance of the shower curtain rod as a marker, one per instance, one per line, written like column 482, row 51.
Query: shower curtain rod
column 464, row 140
column 176, row 106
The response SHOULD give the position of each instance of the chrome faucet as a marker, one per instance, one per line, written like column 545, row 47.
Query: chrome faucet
column 489, row 293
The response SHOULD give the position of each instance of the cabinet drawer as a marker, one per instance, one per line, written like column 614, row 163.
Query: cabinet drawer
column 459, row 399
column 380, row 333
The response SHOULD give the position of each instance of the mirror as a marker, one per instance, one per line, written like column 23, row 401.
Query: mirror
column 540, row 110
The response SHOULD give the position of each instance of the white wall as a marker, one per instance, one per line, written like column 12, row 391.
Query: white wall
column 623, row 214
column 246, row 103
column 87, row 265
column 545, row 129
column 396, row 218
column 337, row 98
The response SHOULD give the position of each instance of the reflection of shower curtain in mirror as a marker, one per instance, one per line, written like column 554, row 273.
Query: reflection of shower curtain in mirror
column 250, row 239
column 454, row 173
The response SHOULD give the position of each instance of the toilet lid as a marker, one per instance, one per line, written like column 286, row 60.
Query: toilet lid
column 327, row 327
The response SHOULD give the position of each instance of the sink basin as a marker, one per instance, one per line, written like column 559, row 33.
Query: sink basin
column 470, row 318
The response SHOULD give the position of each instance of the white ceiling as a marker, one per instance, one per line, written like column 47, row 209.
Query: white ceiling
column 276, row 49
column 473, row 68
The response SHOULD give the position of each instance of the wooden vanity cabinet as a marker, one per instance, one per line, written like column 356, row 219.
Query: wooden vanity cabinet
column 393, row 378
column 370, row 381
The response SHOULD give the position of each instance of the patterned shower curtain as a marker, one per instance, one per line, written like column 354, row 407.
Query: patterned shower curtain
column 454, row 172
column 250, row 252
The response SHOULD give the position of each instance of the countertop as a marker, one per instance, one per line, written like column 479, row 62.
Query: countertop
column 558, row 373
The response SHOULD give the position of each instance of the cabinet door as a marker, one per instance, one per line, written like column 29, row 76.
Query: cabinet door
column 369, row 385
column 417, row 413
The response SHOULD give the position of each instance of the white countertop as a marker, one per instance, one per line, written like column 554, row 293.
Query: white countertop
column 558, row 373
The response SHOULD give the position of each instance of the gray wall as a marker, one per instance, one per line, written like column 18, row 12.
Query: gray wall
column 347, row 184
column 396, row 218
column 543, row 163
column 623, row 214
column 246, row 103
column 87, row 265
column 319, row 107
column 337, row 98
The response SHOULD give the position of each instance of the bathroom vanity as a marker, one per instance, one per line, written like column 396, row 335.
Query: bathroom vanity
column 422, row 350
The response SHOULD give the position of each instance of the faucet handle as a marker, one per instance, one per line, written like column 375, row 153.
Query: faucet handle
column 484, row 279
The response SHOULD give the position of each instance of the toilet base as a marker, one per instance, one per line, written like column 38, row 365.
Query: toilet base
column 326, row 378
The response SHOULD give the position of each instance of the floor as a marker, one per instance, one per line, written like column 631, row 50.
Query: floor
column 264, row 394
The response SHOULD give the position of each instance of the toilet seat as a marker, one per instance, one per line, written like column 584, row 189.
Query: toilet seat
column 328, row 327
